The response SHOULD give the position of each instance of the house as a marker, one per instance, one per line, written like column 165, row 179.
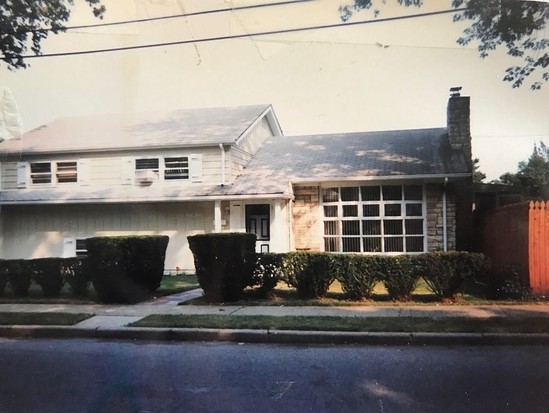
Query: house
column 231, row 169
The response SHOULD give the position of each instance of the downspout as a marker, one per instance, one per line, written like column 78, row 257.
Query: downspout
column 222, row 164
column 444, row 216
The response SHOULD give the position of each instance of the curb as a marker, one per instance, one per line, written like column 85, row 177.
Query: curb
column 275, row 336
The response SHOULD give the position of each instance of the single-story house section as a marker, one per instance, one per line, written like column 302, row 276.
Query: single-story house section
column 231, row 169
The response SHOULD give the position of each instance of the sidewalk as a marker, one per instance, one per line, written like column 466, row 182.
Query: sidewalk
column 110, row 321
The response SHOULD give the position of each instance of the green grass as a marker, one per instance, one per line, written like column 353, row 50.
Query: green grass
column 350, row 324
column 58, row 319
column 173, row 284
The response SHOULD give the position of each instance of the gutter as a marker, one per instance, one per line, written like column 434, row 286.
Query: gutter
column 444, row 216
column 331, row 180
column 223, row 164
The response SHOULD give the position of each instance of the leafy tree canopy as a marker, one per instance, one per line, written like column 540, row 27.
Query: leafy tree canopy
column 25, row 24
column 478, row 175
column 533, row 174
column 518, row 25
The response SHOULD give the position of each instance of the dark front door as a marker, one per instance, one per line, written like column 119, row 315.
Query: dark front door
column 258, row 222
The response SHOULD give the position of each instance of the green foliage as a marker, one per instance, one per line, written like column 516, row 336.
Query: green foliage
column 532, row 175
column 3, row 276
column 19, row 276
column 399, row 275
column 224, row 264
column 446, row 272
column 310, row 273
column 358, row 274
column 518, row 25
column 25, row 24
column 76, row 273
column 510, row 282
column 478, row 175
column 268, row 272
column 46, row 272
column 126, row 269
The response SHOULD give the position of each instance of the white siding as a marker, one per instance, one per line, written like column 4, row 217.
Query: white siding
column 256, row 136
column 40, row 231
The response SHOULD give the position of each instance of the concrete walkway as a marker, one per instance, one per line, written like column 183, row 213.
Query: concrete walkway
column 111, row 321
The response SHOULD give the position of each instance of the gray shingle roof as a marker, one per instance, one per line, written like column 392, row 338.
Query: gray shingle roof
column 137, row 131
column 421, row 152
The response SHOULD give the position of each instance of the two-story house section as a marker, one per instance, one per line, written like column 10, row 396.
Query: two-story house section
column 135, row 174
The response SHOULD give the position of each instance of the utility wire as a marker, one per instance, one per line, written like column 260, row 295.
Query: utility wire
column 177, row 16
column 241, row 36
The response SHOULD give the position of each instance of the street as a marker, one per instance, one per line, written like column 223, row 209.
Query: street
column 117, row 376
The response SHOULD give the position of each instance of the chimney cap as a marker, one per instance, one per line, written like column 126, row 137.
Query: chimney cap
column 455, row 91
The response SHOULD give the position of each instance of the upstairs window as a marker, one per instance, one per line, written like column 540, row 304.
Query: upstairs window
column 42, row 173
column 176, row 168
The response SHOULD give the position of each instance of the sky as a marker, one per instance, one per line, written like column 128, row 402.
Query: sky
column 383, row 75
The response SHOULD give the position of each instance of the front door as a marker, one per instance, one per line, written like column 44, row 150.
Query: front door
column 258, row 222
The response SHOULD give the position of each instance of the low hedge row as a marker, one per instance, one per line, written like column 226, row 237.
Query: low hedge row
column 312, row 273
column 50, row 274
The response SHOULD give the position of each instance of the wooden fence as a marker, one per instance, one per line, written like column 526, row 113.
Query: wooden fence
column 517, row 235
column 538, row 246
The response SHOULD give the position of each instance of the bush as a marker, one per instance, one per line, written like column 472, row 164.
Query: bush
column 310, row 273
column 507, row 283
column 446, row 272
column 3, row 276
column 76, row 273
column 46, row 272
column 268, row 272
column 358, row 275
column 399, row 275
column 224, row 264
column 126, row 269
column 19, row 276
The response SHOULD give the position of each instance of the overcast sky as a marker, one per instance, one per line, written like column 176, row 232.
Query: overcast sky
column 378, row 76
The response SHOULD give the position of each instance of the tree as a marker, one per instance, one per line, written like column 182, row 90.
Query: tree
column 26, row 23
column 478, row 175
column 519, row 25
column 532, row 175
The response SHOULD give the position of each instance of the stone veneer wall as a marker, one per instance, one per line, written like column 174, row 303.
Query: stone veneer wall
column 435, row 218
column 306, row 218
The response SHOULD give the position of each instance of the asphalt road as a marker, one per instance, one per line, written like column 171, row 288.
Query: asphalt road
column 115, row 376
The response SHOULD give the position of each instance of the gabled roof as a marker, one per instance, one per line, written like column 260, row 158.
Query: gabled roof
column 421, row 153
column 190, row 127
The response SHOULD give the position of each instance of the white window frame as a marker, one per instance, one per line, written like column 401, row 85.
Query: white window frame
column 381, row 217
column 150, row 175
column 53, row 174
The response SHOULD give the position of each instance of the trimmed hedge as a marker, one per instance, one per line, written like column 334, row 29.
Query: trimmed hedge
column 399, row 275
column 46, row 272
column 358, row 274
column 224, row 264
column 76, row 272
column 19, row 276
column 126, row 269
column 310, row 273
column 268, row 272
column 446, row 272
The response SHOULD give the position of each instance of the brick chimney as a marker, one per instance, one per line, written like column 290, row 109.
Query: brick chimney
column 459, row 123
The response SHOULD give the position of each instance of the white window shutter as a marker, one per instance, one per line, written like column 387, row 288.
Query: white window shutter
column 127, row 170
column 22, row 174
column 84, row 171
column 69, row 247
column 195, row 167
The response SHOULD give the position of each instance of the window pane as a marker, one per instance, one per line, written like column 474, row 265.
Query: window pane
column 41, row 172
column 66, row 172
column 371, row 227
column 414, row 226
column 414, row 210
column 40, row 167
column 413, row 192
column 370, row 210
column 331, row 244
column 351, row 244
column 392, row 193
column 351, row 227
column 372, row 244
column 394, row 244
column 414, row 244
column 392, row 210
column 331, row 228
column 330, row 195
column 350, row 210
column 330, row 211
column 149, row 163
column 349, row 194
column 370, row 193
column 176, row 168
column 392, row 227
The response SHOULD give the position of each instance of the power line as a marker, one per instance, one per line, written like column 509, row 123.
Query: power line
column 177, row 16
column 245, row 35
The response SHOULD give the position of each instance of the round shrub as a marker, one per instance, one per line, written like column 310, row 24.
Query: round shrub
column 76, row 273
column 310, row 273
column 46, row 272
column 19, row 276
column 399, row 275
column 357, row 274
